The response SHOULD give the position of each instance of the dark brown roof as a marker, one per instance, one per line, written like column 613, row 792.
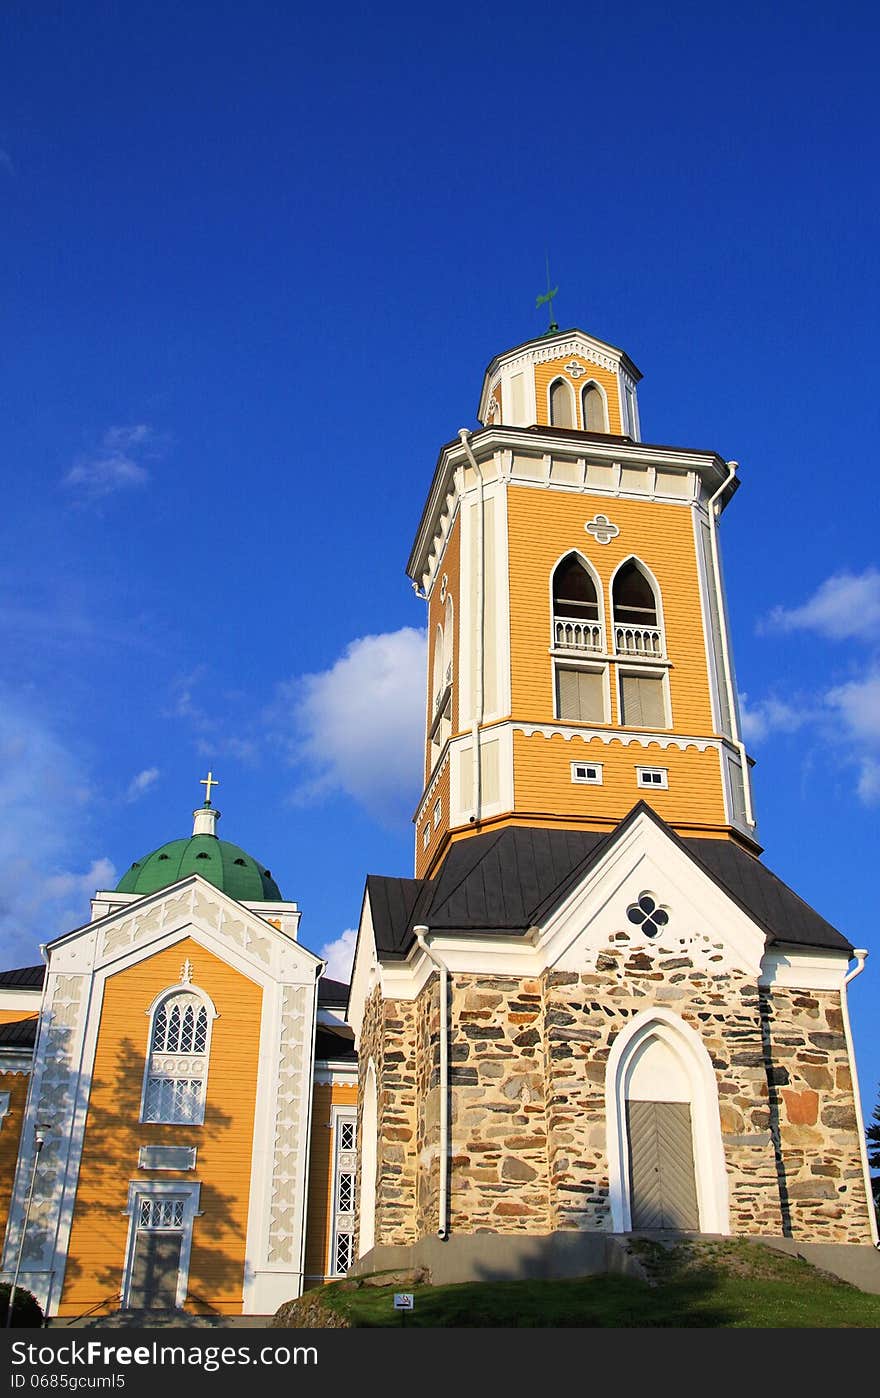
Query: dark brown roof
column 19, row 1033
column 24, row 978
column 509, row 880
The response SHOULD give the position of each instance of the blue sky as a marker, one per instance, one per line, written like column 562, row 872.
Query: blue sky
column 256, row 261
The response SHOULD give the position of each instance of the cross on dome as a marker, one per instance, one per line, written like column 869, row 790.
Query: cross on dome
column 208, row 782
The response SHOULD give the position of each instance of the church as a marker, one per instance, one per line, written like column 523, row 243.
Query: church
column 592, row 1010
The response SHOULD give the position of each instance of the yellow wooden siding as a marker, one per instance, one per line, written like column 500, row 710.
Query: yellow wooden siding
column 425, row 856
column 542, row 780
column 543, row 527
column 319, row 1214
column 13, row 1016
column 113, row 1134
column 546, row 373
column 16, row 1084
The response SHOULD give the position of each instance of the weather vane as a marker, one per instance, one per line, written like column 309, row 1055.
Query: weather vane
column 547, row 300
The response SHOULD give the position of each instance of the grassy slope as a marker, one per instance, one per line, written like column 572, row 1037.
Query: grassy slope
column 730, row 1285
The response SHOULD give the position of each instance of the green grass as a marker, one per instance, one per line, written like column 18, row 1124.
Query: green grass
column 729, row 1285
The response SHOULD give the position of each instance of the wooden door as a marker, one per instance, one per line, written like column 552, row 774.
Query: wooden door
column 155, row 1270
column 663, row 1189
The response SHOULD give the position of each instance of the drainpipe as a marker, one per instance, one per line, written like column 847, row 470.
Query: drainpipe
column 860, row 957
column 422, row 934
column 714, row 510
column 464, row 437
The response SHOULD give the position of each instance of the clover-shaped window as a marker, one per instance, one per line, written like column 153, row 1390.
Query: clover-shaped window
column 648, row 914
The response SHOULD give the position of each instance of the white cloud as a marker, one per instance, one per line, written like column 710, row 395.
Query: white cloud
column 857, row 704
column 339, row 955
column 358, row 727
column 43, row 795
column 768, row 716
column 142, row 783
column 843, row 607
column 114, row 465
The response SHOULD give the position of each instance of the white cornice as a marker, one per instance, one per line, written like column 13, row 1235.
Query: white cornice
column 545, row 442
column 617, row 735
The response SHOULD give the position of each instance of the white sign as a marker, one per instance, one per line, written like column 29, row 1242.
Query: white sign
column 404, row 1301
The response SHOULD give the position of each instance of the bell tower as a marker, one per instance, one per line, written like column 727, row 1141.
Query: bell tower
column 579, row 656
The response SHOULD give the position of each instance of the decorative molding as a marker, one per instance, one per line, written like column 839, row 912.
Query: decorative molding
column 567, row 349
column 575, row 369
column 291, row 1122
column 645, row 740
column 601, row 529
column 167, row 1157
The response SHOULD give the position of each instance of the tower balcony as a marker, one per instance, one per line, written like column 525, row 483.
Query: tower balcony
column 569, row 633
column 645, row 642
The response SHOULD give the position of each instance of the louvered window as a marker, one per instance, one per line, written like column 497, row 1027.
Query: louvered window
column 641, row 701
column 561, row 405
column 594, row 410
column 581, row 695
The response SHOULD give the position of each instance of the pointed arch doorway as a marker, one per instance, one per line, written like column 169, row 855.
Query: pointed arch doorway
column 665, row 1155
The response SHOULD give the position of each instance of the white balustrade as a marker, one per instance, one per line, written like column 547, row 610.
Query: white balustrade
column 639, row 640
column 571, row 634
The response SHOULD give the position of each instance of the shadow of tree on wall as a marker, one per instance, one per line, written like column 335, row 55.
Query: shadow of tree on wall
column 113, row 1134
column 776, row 1075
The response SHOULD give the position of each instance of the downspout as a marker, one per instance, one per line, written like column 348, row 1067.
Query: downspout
column 861, row 956
column 714, row 511
column 422, row 934
column 464, row 437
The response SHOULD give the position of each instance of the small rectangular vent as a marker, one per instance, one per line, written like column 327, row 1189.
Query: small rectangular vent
column 587, row 773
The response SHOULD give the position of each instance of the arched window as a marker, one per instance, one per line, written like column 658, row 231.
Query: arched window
column 593, row 405
column 177, row 1059
column 635, row 608
column 437, row 671
column 577, row 624
column 448, row 642
column 561, row 404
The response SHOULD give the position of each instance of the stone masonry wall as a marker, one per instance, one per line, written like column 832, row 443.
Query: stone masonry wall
column 499, row 1175
column 387, row 1036
column 823, row 1187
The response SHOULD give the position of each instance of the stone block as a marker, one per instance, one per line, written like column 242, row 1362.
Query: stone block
column 802, row 1108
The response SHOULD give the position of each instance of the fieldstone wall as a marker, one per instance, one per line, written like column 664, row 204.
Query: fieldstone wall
column 823, row 1187
column 388, row 1037
column 528, row 1061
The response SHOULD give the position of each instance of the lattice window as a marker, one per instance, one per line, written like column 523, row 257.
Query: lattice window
column 177, row 1063
column 345, row 1166
column 161, row 1213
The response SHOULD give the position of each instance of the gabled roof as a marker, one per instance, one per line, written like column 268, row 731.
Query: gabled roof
column 332, row 992
column 24, row 978
column 510, row 880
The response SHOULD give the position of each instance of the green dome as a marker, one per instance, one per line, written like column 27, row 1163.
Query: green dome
column 224, row 865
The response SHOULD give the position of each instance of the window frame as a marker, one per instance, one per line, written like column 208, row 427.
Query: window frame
column 659, row 624
column 597, row 780
column 594, row 383
column 572, row 401
column 594, row 577
column 599, row 667
column 169, row 993
column 340, row 1115
column 639, row 671
column 662, row 785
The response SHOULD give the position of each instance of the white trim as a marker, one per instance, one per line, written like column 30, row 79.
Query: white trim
column 139, row 1190
column 572, row 398
column 368, row 1159
column 700, row 531
column 639, row 670
column 658, row 602
column 709, row 1163
column 804, row 968
column 624, row 736
column 594, row 769
column 593, row 383
column 644, row 772
column 21, row 1001
column 181, row 988
column 600, row 603
column 338, row 1114
column 575, row 662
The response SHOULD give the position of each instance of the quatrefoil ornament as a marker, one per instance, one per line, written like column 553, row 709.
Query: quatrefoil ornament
column 648, row 914
column 576, row 370
column 601, row 529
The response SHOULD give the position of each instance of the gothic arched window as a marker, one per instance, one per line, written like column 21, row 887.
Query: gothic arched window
column 177, row 1059
column 577, row 621
column 633, row 597
column 593, row 406
column 561, row 404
